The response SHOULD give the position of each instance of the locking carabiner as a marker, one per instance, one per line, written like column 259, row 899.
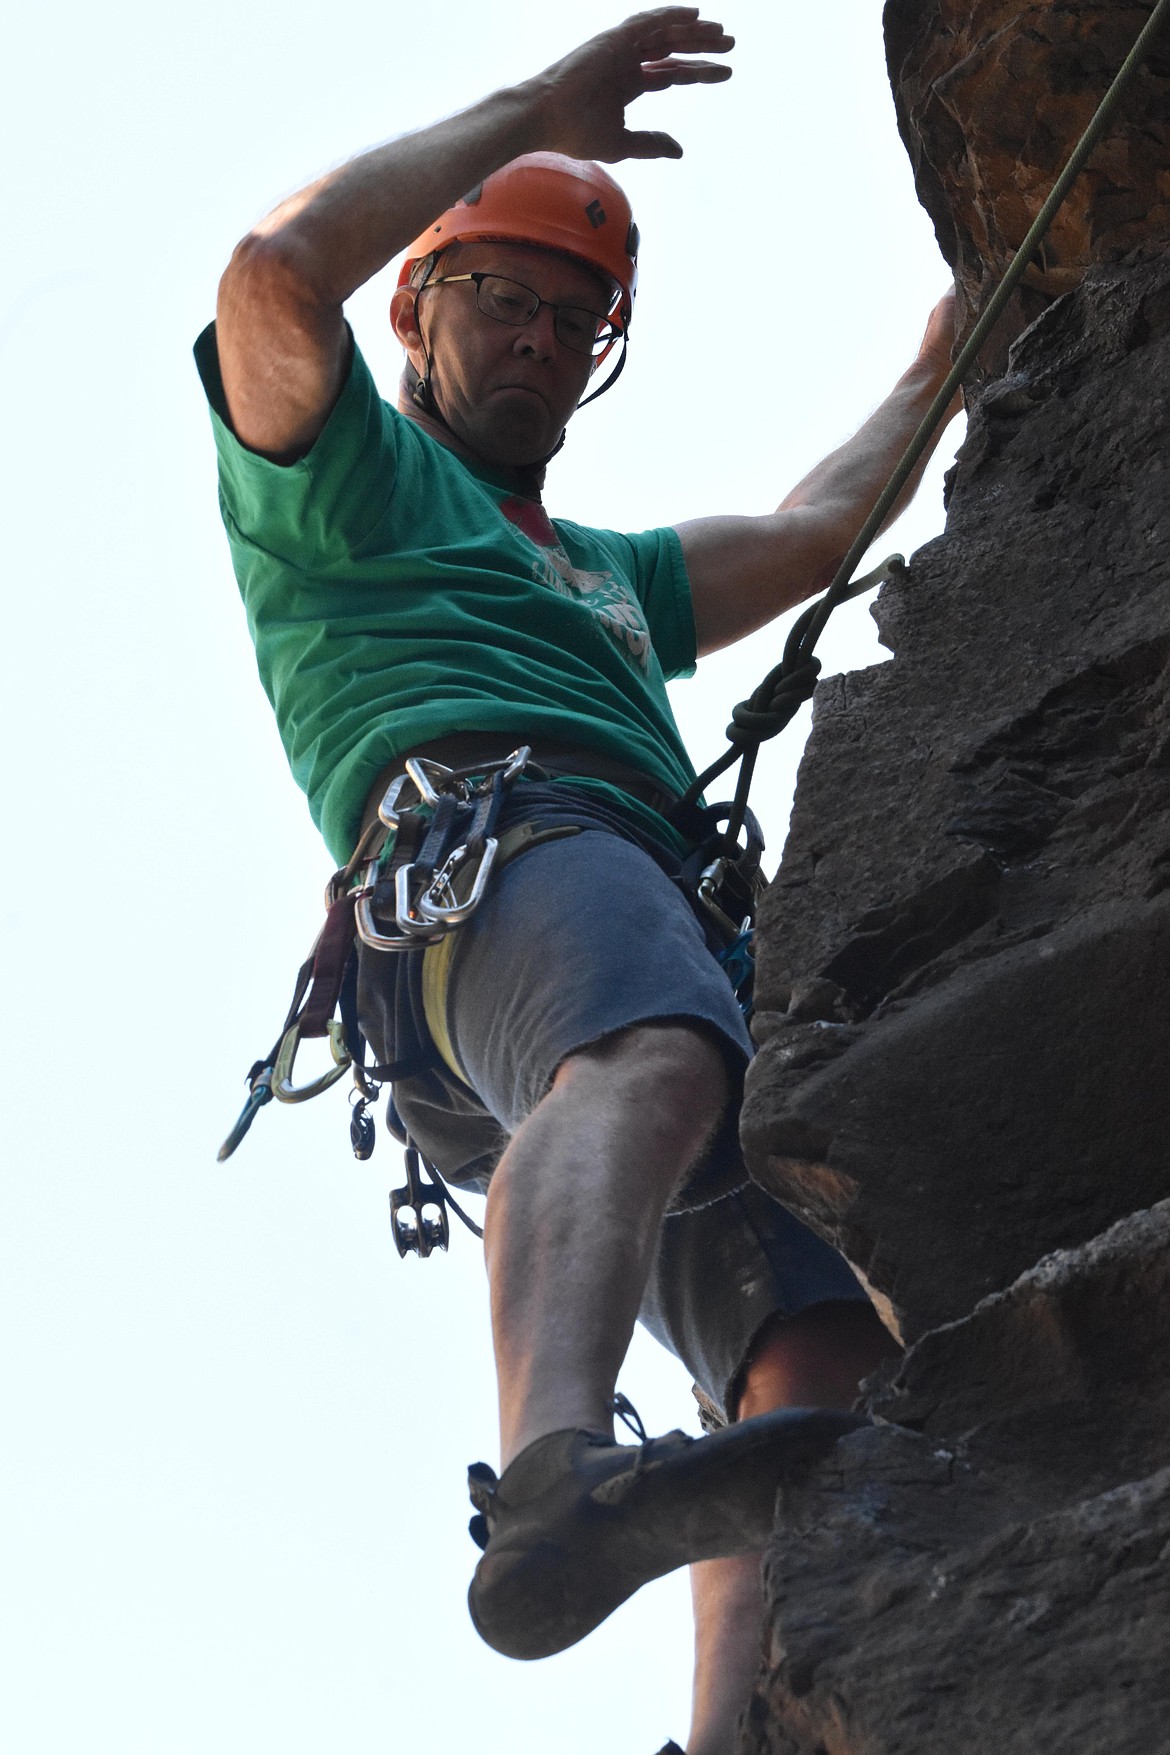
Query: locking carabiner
column 711, row 891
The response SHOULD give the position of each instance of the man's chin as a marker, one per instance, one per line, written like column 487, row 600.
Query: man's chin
column 515, row 444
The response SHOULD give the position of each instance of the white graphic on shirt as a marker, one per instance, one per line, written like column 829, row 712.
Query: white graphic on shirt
column 612, row 603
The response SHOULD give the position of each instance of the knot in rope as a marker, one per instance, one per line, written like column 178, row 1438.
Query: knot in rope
column 771, row 706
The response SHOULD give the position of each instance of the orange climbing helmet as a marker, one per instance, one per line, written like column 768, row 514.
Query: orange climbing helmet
column 557, row 203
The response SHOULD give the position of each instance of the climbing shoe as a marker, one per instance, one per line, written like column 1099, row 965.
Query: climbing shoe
column 577, row 1523
column 670, row 1749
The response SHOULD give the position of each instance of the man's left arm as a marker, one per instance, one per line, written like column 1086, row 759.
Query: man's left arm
column 745, row 571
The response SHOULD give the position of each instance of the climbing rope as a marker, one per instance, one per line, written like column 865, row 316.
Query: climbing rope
column 771, row 706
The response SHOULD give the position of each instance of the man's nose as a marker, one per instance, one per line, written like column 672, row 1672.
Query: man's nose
column 538, row 336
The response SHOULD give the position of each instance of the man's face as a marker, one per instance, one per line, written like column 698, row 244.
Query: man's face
column 507, row 392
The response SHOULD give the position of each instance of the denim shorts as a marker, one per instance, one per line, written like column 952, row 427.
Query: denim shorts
column 581, row 936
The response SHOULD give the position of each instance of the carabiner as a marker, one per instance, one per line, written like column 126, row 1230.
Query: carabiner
column 517, row 762
column 420, row 769
column 418, row 931
column 710, row 883
column 450, row 911
column 367, row 928
column 386, row 810
column 259, row 1093
column 282, row 1085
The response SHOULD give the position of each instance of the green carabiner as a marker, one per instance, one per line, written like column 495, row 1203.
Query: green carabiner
column 282, row 1086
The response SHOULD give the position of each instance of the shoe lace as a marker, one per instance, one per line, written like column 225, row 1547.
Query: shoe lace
column 628, row 1414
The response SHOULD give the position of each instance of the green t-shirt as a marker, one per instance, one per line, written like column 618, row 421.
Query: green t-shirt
column 396, row 594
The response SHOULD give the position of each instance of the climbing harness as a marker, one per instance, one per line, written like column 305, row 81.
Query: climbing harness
column 421, row 868
column 442, row 836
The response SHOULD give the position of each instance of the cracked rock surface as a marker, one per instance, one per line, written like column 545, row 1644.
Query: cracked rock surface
column 963, row 991
column 965, row 957
column 991, row 1573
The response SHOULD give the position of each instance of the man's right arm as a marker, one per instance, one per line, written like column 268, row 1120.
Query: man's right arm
column 279, row 325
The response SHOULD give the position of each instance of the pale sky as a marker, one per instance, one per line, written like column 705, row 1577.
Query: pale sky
column 237, row 1426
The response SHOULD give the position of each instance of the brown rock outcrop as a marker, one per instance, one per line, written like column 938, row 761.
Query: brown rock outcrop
column 964, row 976
column 990, row 99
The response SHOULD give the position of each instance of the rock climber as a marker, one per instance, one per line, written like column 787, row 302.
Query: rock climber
column 408, row 593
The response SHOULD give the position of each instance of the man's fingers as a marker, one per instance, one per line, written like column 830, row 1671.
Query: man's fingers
column 674, row 28
column 660, row 15
column 941, row 321
column 650, row 52
column 706, row 34
column 649, row 144
column 667, row 18
column 661, row 43
column 658, row 75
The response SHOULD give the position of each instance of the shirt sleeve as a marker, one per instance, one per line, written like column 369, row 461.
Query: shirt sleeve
column 664, row 591
column 320, row 508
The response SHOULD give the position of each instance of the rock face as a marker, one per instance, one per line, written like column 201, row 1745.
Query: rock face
column 991, row 96
column 966, row 955
column 964, row 977
column 990, row 1573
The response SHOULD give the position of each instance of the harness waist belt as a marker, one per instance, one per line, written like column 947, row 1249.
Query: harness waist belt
column 464, row 748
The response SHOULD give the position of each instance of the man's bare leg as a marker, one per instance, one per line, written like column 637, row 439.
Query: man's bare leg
column 813, row 1360
column 573, row 1216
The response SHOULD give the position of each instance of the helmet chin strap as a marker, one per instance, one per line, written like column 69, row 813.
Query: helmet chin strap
column 421, row 393
column 611, row 380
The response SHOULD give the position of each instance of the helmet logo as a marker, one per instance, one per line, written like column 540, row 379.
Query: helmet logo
column 596, row 215
column 473, row 196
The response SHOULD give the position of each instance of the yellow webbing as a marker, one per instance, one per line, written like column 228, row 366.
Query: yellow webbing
column 436, row 964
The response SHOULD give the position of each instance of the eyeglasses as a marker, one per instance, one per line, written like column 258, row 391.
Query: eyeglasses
column 579, row 330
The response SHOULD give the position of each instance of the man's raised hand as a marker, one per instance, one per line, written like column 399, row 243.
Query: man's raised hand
column 282, row 341
column 938, row 343
column 938, row 347
column 585, row 95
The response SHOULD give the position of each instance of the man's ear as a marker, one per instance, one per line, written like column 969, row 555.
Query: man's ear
column 404, row 322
